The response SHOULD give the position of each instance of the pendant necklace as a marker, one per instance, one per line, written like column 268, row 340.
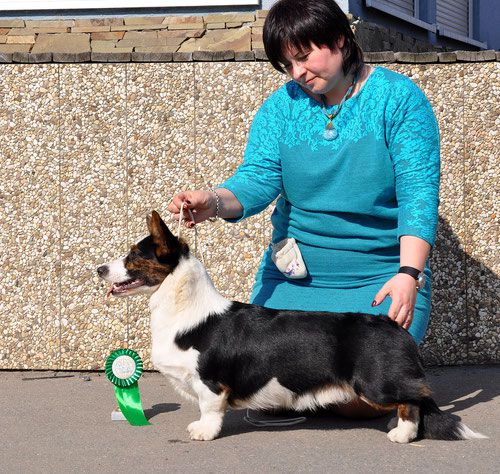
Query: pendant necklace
column 330, row 132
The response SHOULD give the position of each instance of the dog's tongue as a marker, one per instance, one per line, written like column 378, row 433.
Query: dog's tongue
column 110, row 290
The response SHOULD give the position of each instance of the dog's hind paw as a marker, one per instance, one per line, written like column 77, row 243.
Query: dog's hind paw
column 203, row 430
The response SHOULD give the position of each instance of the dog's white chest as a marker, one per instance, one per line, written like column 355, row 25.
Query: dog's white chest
column 175, row 311
column 172, row 361
column 178, row 365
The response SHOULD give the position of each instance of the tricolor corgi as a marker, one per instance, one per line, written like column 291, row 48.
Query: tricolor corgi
column 223, row 353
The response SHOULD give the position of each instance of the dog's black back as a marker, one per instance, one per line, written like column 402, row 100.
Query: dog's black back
column 245, row 347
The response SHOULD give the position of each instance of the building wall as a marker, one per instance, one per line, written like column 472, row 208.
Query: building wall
column 486, row 21
column 87, row 150
column 232, row 35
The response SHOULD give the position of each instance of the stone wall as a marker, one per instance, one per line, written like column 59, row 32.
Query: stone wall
column 87, row 150
column 213, row 37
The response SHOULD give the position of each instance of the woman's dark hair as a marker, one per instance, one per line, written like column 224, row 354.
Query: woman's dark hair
column 298, row 23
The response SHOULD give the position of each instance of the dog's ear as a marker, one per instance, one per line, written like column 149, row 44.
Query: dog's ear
column 165, row 242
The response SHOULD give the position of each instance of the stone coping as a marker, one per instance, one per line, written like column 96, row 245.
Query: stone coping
column 212, row 37
column 26, row 57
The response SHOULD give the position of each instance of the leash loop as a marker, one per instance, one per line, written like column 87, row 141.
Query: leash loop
column 181, row 218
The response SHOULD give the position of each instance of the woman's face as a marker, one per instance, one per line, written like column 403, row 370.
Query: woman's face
column 318, row 69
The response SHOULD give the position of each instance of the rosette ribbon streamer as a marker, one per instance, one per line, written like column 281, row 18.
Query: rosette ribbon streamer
column 123, row 369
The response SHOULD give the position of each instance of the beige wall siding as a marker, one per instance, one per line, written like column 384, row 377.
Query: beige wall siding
column 86, row 150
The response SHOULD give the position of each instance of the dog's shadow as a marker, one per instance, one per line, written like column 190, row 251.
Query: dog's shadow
column 324, row 419
column 455, row 389
column 161, row 408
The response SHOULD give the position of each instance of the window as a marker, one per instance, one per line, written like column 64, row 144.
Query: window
column 454, row 20
column 406, row 7
column 407, row 10
column 453, row 15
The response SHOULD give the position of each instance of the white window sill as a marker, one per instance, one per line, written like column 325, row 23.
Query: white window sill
column 10, row 5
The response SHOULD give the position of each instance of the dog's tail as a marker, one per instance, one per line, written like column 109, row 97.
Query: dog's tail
column 435, row 424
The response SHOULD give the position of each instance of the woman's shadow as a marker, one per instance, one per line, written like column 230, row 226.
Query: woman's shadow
column 462, row 328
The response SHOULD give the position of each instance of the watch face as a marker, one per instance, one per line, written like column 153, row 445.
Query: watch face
column 421, row 281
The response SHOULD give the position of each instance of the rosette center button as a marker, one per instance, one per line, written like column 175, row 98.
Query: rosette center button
column 123, row 367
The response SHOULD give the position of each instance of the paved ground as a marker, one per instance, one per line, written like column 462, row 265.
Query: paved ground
column 60, row 422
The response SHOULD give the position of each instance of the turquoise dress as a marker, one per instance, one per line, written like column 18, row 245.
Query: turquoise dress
column 346, row 201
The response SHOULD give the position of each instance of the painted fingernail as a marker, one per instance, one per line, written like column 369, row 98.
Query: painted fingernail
column 374, row 303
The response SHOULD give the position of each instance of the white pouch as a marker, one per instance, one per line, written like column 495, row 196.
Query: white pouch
column 287, row 257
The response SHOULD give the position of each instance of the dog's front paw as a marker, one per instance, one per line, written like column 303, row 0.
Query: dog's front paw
column 202, row 430
column 401, row 435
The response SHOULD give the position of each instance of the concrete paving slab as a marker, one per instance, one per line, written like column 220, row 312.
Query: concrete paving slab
column 61, row 422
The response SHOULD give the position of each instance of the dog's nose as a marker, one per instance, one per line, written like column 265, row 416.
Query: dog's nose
column 102, row 270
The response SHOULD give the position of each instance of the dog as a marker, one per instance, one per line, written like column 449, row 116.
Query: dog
column 223, row 353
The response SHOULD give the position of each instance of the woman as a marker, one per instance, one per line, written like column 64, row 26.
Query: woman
column 352, row 152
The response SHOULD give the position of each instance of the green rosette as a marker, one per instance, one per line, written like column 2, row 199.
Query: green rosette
column 123, row 369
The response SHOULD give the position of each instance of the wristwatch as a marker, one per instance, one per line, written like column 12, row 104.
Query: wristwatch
column 415, row 273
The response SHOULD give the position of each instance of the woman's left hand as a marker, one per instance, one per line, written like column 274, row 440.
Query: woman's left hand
column 402, row 289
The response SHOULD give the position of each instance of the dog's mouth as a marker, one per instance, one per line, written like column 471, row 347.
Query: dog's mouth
column 125, row 286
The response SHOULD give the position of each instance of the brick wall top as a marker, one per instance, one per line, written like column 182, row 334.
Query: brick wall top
column 213, row 37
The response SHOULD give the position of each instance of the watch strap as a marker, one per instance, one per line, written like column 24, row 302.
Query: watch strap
column 414, row 272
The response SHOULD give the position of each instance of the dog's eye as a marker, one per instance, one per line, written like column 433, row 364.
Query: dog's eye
column 134, row 254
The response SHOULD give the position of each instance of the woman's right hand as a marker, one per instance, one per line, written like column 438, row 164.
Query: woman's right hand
column 203, row 205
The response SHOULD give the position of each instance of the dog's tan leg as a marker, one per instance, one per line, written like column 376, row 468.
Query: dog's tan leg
column 212, row 409
column 407, row 428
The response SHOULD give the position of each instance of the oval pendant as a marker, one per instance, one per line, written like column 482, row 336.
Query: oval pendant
column 330, row 134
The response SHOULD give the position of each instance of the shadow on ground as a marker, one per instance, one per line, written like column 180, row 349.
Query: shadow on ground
column 455, row 389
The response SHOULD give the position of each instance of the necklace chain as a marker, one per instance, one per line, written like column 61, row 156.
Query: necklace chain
column 330, row 133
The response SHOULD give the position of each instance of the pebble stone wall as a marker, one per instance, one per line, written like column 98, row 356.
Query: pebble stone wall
column 87, row 150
